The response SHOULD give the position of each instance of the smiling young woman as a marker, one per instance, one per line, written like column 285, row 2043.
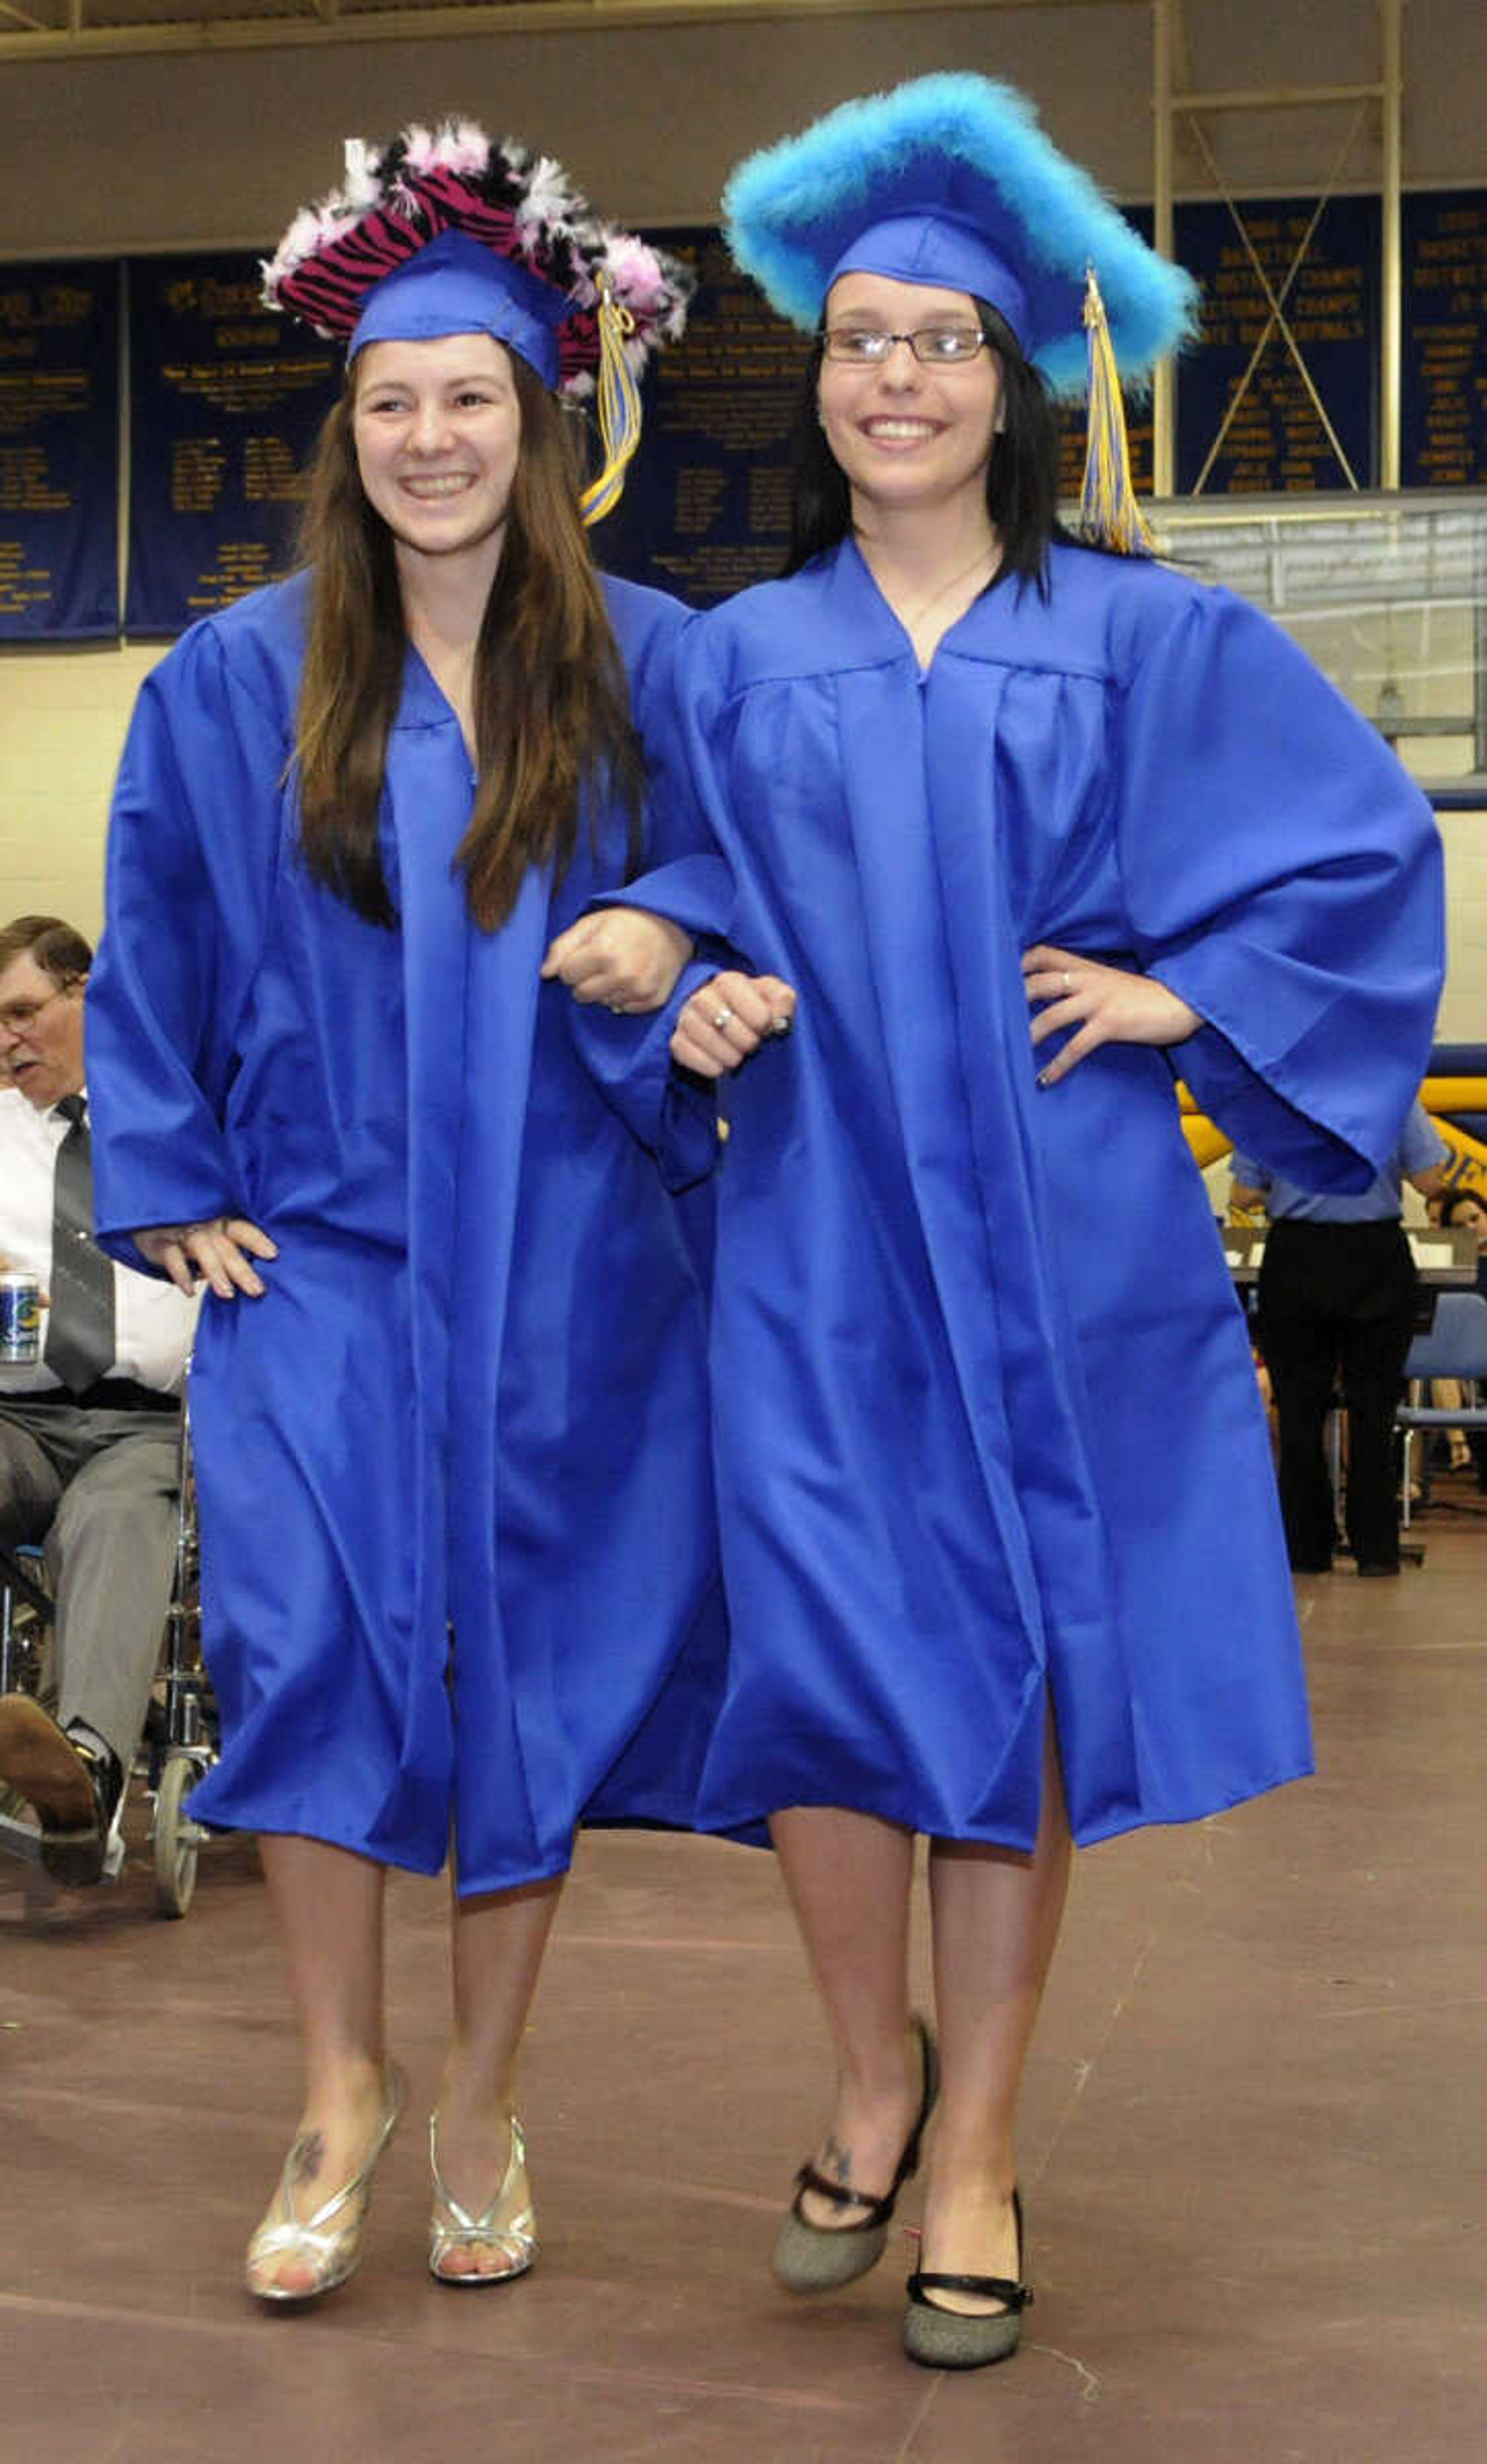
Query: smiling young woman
column 965, row 766
column 527, row 653
column 909, row 393
column 914, row 426
column 329, row 1079
column 437, row 430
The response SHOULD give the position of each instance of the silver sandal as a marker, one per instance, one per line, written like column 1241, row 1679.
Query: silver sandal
column 452, row 2227
column 331, row 2250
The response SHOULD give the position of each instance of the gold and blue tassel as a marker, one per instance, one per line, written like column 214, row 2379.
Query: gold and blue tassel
column 618, row 407
column 1109, row 510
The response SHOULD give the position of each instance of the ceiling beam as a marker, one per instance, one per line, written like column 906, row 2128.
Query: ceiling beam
column 335, row 25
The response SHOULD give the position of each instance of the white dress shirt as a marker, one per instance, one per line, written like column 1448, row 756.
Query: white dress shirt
column 153, row 1322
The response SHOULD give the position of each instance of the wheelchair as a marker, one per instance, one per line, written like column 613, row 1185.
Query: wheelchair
column 178, row 1743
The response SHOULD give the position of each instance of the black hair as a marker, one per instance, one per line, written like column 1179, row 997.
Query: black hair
column 1452, row 1197
column 1022, row 476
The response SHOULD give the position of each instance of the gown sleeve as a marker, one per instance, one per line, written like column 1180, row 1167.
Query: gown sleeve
column 683, row 877
column 1284, row 876
column 191, row 845
column 684, row 874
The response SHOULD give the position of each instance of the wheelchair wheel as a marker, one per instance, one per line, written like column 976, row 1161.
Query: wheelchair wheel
column 176, row 1838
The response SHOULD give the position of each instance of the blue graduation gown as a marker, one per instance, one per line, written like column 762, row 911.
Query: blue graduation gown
column 986, row 1423
column 456, row 1522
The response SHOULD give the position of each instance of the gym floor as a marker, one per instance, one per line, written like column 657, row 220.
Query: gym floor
column 1253, row 2144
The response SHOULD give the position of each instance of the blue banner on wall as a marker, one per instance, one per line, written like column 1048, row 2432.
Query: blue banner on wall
column 706, row 505
column 1443, row 411
column 58, row 451
column 1275, row 443
column 225, row 401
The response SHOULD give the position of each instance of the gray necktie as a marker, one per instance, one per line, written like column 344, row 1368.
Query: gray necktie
column 80, row 1341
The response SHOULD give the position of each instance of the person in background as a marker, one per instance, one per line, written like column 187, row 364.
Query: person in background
column 1335, row 1310
column 444, row 1586
column 1468, row 1206
column 90, row 1433
column 998, row 1516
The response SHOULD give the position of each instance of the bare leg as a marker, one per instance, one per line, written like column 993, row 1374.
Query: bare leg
column 328, row 1907
column 497, row 1945
column 996, row 1919
column 848, row 1876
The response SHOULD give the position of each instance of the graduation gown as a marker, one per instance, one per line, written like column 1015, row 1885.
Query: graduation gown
column 988, row 1432
column 456, row 1554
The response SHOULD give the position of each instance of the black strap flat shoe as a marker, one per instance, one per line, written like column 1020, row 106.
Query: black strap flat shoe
column 966, row 2340
column 811, row 2258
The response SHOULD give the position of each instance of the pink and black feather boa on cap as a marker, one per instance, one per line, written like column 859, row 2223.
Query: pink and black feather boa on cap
column 397, row 197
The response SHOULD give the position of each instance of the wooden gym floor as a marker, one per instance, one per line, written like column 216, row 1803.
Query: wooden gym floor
column 1254, row 2146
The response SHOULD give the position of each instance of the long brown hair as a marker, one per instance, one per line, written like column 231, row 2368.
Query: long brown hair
column 552, row 705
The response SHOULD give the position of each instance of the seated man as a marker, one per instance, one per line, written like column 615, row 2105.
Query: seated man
column 88, row 1432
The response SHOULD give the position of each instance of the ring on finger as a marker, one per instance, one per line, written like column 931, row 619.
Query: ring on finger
column 720, row 1018
column 1068, row 981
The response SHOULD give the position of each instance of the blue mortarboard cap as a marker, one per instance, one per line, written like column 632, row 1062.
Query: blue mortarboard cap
column 942, row 250
column 455, row 285
column 949, row 181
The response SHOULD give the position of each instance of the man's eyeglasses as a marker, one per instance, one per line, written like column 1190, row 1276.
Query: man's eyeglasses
column 934, row 346
column 17, row 1018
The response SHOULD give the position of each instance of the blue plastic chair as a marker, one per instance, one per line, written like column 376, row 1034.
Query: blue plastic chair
column 1456, row 1347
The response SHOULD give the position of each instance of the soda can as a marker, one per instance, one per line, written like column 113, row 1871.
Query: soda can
column 20, row 1320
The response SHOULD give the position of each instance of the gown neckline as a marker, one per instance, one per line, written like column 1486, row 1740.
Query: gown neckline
column 904, row 639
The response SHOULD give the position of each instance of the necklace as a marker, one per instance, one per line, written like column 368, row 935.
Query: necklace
column 910, row 617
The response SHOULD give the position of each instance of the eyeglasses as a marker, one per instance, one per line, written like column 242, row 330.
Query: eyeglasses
column 17, row 1018
column 934, row 346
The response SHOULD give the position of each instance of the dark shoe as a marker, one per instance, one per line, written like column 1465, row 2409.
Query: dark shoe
column 1311, row 1565
column 74, row 1792
column 960, row 2340
column 819, row 2258
column 1375, row 1565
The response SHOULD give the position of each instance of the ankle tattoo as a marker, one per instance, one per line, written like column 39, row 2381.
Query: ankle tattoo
column 307, row 2157
column 836, row 2160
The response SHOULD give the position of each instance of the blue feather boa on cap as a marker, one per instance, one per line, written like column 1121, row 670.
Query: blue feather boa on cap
column 974, row 146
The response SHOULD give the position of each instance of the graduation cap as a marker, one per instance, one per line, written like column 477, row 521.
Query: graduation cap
column 446, row 231
column 949, row 181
